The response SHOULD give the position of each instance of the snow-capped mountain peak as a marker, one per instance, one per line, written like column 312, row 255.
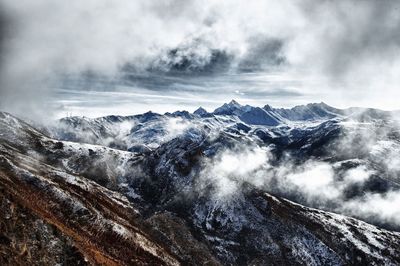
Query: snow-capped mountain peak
column 200, row 111
column 231, row 108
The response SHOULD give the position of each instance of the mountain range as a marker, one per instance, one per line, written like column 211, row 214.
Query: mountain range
column 242, row 185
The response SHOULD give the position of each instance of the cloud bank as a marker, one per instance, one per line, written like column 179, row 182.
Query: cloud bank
column 347, row 49
column 318, row 184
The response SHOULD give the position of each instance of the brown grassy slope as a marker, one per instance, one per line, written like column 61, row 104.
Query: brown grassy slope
column 103, row 228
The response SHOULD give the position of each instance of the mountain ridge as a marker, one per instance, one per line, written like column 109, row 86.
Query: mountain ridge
column 306, row 112
column 152, row 181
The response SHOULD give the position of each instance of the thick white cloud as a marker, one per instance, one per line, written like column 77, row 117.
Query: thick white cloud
column 377, row 207
column 314, row 183
column 229, row 169
column 341, row 52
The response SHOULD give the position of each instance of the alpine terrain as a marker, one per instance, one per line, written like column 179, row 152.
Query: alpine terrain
column 242, row 185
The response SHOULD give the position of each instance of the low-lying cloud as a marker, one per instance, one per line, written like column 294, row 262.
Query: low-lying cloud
column 314, row 183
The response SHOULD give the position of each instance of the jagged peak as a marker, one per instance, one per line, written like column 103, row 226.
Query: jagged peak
column 267, row 107
column 180, row 112
column 228, row 107
column 200, row 111
column 235, row 103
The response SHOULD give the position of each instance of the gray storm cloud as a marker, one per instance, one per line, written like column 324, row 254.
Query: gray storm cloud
column 349, row 46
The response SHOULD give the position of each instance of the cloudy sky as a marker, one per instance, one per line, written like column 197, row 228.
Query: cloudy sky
column 99, row 57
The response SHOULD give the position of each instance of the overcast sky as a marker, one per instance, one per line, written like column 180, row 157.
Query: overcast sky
column 100, row 57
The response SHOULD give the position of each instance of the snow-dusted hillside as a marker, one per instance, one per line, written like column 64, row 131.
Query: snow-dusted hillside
column 211, row 187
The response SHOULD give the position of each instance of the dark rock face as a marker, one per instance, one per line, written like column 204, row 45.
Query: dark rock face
column 146, row 203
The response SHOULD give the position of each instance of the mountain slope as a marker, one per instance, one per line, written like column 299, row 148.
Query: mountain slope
column 119, row 207
column 258, row 116
column 101, row 224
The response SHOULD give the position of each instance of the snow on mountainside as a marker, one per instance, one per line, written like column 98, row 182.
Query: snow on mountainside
column 314, row 111
column 151, row 129
column 210, row 188
column 258, row 116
